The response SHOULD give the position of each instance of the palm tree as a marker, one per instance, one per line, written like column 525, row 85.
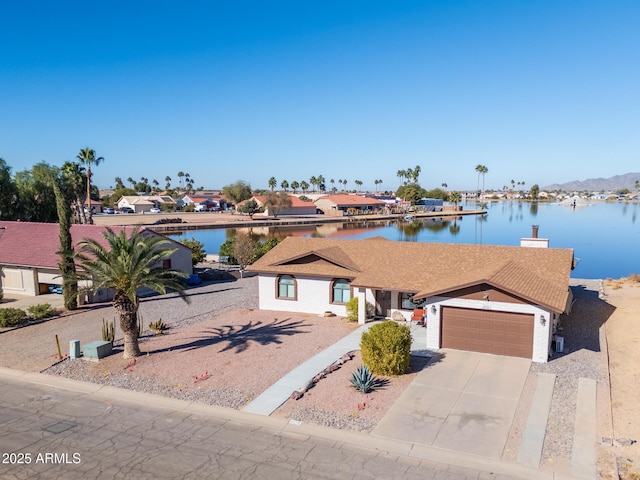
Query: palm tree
column 313, row 181
column 284, row 184
column 119, row 183
column 127, row 264
column 455, row 198
column 636, row 185
column 181, row 176
column 409, row 175
column 295, row 185
column 416, row 173
column 444, row 185
column 401, row 174
column 304, row 186
column 333, row 183
column 88, row 157
column 272, row 183
column 358, row 183
column 482, row 170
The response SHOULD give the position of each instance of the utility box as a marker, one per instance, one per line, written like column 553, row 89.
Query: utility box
column 559, row 344
column 74, row 349
column 97, row 350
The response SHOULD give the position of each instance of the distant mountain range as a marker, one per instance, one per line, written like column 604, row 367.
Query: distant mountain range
column 617, row 182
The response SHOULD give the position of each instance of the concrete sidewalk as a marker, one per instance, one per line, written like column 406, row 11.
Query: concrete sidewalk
column 267, row 402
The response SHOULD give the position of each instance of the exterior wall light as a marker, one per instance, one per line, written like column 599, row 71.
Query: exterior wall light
column 543, row 321
column 433, row 309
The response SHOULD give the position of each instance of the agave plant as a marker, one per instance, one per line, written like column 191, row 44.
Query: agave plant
column 362, row 379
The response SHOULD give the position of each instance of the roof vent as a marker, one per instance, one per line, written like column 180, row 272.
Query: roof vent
column 534, row 231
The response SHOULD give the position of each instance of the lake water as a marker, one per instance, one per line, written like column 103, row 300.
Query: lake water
column 605, row 236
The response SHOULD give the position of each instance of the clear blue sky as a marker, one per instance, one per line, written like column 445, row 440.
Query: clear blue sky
column 541, row 92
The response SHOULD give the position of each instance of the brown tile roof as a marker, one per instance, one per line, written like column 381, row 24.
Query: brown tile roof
column 295, row 201
column 539, row 275
column 35, row 244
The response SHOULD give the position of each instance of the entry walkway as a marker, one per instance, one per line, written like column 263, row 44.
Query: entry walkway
column 267, row 402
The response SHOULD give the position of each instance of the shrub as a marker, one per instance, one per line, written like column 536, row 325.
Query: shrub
column 11, row 316
column 158, row 326
column 386, row 348
column 1, row 296
column 197, row 249
column 42, row 310
column 352, row 310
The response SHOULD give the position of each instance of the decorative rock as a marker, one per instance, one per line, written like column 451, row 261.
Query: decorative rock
column 296, row 395
column 329, row 314
column 346, row 357
column 398, row 317
column 331, row 368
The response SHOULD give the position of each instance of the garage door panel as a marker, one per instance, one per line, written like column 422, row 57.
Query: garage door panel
column 487, row 331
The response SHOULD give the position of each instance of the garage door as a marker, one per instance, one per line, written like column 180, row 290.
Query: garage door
column 487, row 331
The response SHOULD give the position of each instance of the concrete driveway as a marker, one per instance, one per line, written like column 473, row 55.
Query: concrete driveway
column 462, row 401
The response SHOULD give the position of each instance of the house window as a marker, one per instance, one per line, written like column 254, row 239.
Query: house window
column 166, row 264
column 340, row 291
column 287, row 287
column 406, row 302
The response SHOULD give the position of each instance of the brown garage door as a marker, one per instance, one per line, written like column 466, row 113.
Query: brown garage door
column 487, row 331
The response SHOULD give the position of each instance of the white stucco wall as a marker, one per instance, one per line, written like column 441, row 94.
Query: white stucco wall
column 18, row 280
column 313, row 296
column 541, row 333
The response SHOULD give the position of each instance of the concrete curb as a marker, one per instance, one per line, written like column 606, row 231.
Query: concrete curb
column 281, row 426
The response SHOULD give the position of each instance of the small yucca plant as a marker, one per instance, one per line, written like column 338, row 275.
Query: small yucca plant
column 362, row 379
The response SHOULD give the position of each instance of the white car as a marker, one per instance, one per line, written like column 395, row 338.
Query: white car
column 155, row 210
column 201, row 208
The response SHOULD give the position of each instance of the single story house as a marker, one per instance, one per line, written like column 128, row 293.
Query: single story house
column 493, row 299
column 298, row 206
column 144, row 203
column 344, row 204
column 29, row 262
column 213, row 201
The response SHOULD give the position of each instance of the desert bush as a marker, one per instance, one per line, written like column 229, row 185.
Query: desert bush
column 11, row 316
column 158, row 326
column 42, row 310
column 386, row 348
column 352, row 310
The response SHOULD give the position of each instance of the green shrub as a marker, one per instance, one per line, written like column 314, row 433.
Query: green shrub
column 42, row 310
column 386, row 348
column 11, row 316
column 352, row 310
column 197, row 249
column 1, row 296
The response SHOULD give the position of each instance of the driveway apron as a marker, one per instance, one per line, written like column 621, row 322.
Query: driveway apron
column 464, row 401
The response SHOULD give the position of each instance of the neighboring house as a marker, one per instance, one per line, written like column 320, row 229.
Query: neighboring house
column 29, row 262
column 144, row 203
column 298, row 206
column 344, row 204
column 492, row 299
column 211, row 202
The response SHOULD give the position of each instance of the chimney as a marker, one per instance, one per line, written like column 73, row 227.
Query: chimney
column 534, row 231
column 534, row 241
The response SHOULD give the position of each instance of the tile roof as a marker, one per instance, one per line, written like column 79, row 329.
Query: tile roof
column 295, row 201
column 539, row 275
column 351, row 200
column 35, row 244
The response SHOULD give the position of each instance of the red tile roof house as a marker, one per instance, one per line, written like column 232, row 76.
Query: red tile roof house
column 492, row 299
column 29, row 262
column 210, row 201
column 343, row 204
column 298, row 206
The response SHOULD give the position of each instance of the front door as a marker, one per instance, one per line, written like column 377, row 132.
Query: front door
column 383, row 303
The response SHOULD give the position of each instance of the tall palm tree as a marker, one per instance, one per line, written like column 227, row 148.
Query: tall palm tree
column 284, row 185
column 295, row 185
column 181, row 176
column 358, row 183
column 127, row 264
column 87, row 156
column 313, row 181
column 401, row 174
column 416, row 173
column 168, row 184
column 272, row 183
column 304, row 186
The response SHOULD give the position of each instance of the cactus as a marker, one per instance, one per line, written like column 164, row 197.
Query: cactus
column 108, row 330
column 362, row 379
column 159, row 326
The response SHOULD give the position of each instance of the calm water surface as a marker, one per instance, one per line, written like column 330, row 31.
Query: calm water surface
column 605, row 236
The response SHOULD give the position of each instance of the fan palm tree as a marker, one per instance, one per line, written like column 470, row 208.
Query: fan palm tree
column 295, row 185
column 87, row 156
column 304, row 186
column 455, row 198
column 401, row 174
column 284, row 184
column 126, row 264
column 272, row 183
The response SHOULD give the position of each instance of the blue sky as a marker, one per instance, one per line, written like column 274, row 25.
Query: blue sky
column 540, row 92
